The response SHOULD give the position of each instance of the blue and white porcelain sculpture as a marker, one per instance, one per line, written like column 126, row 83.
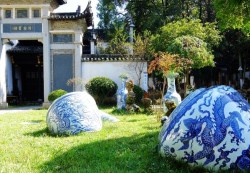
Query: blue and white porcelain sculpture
column 171, row 94
column 211, row 127
column 122, row 95
column 75, row 112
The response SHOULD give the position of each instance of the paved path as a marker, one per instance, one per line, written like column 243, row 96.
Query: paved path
column 18, row 109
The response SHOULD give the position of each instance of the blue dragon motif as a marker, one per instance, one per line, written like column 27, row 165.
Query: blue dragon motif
column 212, row 127
column 243, row 161
column 210, row 139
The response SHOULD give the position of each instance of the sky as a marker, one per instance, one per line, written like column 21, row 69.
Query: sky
column 72, row 5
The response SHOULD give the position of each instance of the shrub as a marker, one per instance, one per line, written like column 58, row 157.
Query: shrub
column 138, row 93
column 56, row 94
column 101, row 87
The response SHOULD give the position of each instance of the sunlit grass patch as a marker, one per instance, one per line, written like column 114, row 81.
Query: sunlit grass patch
column 129, row 145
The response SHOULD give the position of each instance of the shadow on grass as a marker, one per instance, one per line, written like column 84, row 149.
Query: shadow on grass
column 40, row 133
column 126, row 154
column 44, row 132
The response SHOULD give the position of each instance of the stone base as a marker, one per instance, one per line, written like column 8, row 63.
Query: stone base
column 3, row 105
column 46, row 105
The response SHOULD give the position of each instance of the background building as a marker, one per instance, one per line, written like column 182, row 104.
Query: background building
column 41, row 50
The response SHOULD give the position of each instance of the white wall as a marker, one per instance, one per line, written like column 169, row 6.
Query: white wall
column 113, row 70
column 3, row 73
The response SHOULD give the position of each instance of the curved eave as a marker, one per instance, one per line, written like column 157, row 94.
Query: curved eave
column 61, row 2
column 86, row 14
column 25, row 50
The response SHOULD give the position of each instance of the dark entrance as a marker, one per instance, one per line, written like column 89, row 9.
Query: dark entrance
column 27, row 71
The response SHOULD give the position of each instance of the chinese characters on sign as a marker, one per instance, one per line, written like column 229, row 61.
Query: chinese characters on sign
column 21, row 28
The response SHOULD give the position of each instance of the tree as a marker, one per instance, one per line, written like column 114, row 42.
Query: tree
column 192, row 48
column 107, row 14
column 168, row 63
column 153, row 14
column 233, row 14
column 190, row 39
column 206, row 32
column 233, row 52
column 141, row 53
column 118, row 43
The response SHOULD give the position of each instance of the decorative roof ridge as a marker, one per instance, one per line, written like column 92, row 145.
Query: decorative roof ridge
column 61, row 2
column 110, row 57
column 25, row 49
column 87, row 14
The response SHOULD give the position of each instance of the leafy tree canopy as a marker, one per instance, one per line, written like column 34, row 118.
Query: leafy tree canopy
column 192, row 48
column 233, row 14
column 207, row 33
column 118, row 43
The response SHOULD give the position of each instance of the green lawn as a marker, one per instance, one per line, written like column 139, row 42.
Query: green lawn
column 127, row 146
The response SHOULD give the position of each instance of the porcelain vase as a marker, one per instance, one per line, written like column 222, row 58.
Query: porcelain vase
column 122, row 95
column 209, row 128
column 171, row 94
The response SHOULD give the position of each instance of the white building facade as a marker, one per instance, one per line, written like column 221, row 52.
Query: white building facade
column 41, row 50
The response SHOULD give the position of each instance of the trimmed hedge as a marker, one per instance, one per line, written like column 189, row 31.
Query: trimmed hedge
column 101, row 87
column 56, row 94
column 138, row 93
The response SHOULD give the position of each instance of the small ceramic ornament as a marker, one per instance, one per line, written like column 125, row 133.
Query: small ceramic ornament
column 211, row 127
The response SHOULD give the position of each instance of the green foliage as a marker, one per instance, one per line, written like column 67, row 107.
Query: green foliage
column 141, row 47
column 138, row 93
column 206, row 32
column 233, row 14
column 56, row 94
column 194, row 49
column 101, row 87
column 118, row 43
column 107, row 14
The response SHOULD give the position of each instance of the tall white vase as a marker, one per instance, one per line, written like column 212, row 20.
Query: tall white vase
column 171, row 93
column 122, row 95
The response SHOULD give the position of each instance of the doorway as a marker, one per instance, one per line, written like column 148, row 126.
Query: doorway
column 27, row 71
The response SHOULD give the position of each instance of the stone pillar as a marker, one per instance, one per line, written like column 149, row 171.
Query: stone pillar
column 131, row 38
column 3, row 87
column 46, row 61
column 92, row 46
column 92, row 42
column 78, row 57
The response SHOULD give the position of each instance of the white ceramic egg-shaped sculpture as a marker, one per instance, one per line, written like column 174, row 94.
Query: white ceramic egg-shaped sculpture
column 73, row 113
column 211, row 127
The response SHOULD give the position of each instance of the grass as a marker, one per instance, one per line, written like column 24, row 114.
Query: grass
column 126, row 146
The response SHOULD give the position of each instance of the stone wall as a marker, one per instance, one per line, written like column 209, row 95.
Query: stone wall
column 114, row 66
column 80, row 25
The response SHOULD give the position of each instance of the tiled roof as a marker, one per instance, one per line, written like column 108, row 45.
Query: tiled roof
column 109, row 57
column 61, row 2
column 87, row 14
column 23, row 46
column 26, row 49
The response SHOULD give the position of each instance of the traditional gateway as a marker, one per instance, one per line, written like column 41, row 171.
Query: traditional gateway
column 41, row 50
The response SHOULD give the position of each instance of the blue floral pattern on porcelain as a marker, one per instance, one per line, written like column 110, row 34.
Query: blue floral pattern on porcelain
column 75, row 112
column 211, row 127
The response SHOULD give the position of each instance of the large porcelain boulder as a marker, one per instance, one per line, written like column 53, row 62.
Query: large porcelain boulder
column 211, row 127
column 75, row 112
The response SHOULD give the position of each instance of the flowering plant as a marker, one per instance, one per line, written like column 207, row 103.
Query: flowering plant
column 168, row 63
